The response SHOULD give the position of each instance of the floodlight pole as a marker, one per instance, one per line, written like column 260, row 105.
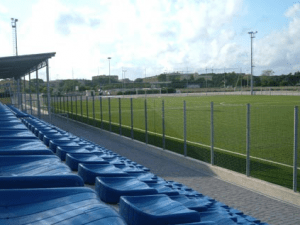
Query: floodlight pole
column 109, row 58
column 14, row 25
column 252, row 35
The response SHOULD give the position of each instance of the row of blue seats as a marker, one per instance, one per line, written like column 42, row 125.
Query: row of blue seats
column 36, row 187
column 143, row 197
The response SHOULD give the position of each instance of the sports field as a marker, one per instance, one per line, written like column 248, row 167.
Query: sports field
column 271, row 127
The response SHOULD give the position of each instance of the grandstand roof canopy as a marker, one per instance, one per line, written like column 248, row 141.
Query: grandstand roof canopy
column 19, row 66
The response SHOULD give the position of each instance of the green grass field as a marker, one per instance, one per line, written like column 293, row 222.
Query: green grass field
column 271, row 128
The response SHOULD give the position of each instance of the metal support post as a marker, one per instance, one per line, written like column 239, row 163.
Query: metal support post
column 184, row 128
column 81, row 111
column 248, row 142
column 76, row 106
column 101, row 113
column 60, row 107
column 131, row 113
column 87, row 109
column 68, row 110
column 64, row 104
column 295, row 169
column 30, row 96
column 146, row 123
column 120, row 116
column 18, row 91
column 94, row 121
column 38, row 94
column 212, row 133
column 109, row 114
column 48, row 91
column 163, row 124
column 71, row 106
column 25, row 109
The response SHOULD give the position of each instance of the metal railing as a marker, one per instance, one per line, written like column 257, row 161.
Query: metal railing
column 256, row 140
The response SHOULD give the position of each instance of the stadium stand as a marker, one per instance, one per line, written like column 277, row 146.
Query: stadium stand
column 40, row 189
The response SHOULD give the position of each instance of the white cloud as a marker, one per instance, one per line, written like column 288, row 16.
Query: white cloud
column 281, row 49
column 293, row 10
column 3, row 9
column 157, row 35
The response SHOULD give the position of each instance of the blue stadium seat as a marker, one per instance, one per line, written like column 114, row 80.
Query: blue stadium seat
column 73, row 159
column 50, row 181
column 147, row 177
column 61, row 151
column 77, row 205
column 155, row 209
column 16, row 134
column 89, row 172
column 163, row 188
column 110, row 189
column 32, row 165
column 199, row 204
column 53, row 144
column 21, row 144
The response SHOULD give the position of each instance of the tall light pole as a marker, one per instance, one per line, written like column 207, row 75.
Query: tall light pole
column 109, row 58
column 14, row 26
column 252, row 35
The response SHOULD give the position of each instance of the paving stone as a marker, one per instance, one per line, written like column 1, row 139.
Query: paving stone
column 262, row 207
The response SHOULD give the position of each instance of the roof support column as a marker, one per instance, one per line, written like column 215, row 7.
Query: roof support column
column 19, row 94
column 30, row 97
column 38, row 94
column 48, row 90
column 25, row 103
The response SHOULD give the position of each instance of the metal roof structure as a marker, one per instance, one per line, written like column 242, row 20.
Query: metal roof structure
column 18, row 66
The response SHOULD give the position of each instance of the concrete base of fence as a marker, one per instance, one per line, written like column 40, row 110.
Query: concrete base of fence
column 256, row 185
column 253, row 184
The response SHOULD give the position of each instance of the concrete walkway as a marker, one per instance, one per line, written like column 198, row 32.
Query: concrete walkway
column 260, row 206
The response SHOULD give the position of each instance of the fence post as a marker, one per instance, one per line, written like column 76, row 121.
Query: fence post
column 184, row 128
column 94, row 121
column 81, row 111
column 109, row 114
column 146, row 123
column 76, row 106
column 72, row 106
column 131, row 109
column 212, row 133
column 248, row 141
column 87, row 109
column 120, row 116
column 163, row 124
column 60, row 108
column 101, row 113
column 64, row 104
column 68, row 106
column 295, row 149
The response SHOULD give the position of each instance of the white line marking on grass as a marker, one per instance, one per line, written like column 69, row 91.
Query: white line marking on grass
column 204, row 145
column 208, row 146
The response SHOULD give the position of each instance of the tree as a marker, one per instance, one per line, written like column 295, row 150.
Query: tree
column 162, row 78
column 138, row 80
column 267, row 73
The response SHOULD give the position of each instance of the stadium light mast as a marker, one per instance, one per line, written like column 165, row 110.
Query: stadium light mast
column 252, row 35
column 109, row 58
column 14, row 27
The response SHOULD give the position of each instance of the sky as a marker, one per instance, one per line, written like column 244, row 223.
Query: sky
column 146, row 38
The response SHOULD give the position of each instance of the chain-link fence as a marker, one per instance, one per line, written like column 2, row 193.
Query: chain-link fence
column 255, row 139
